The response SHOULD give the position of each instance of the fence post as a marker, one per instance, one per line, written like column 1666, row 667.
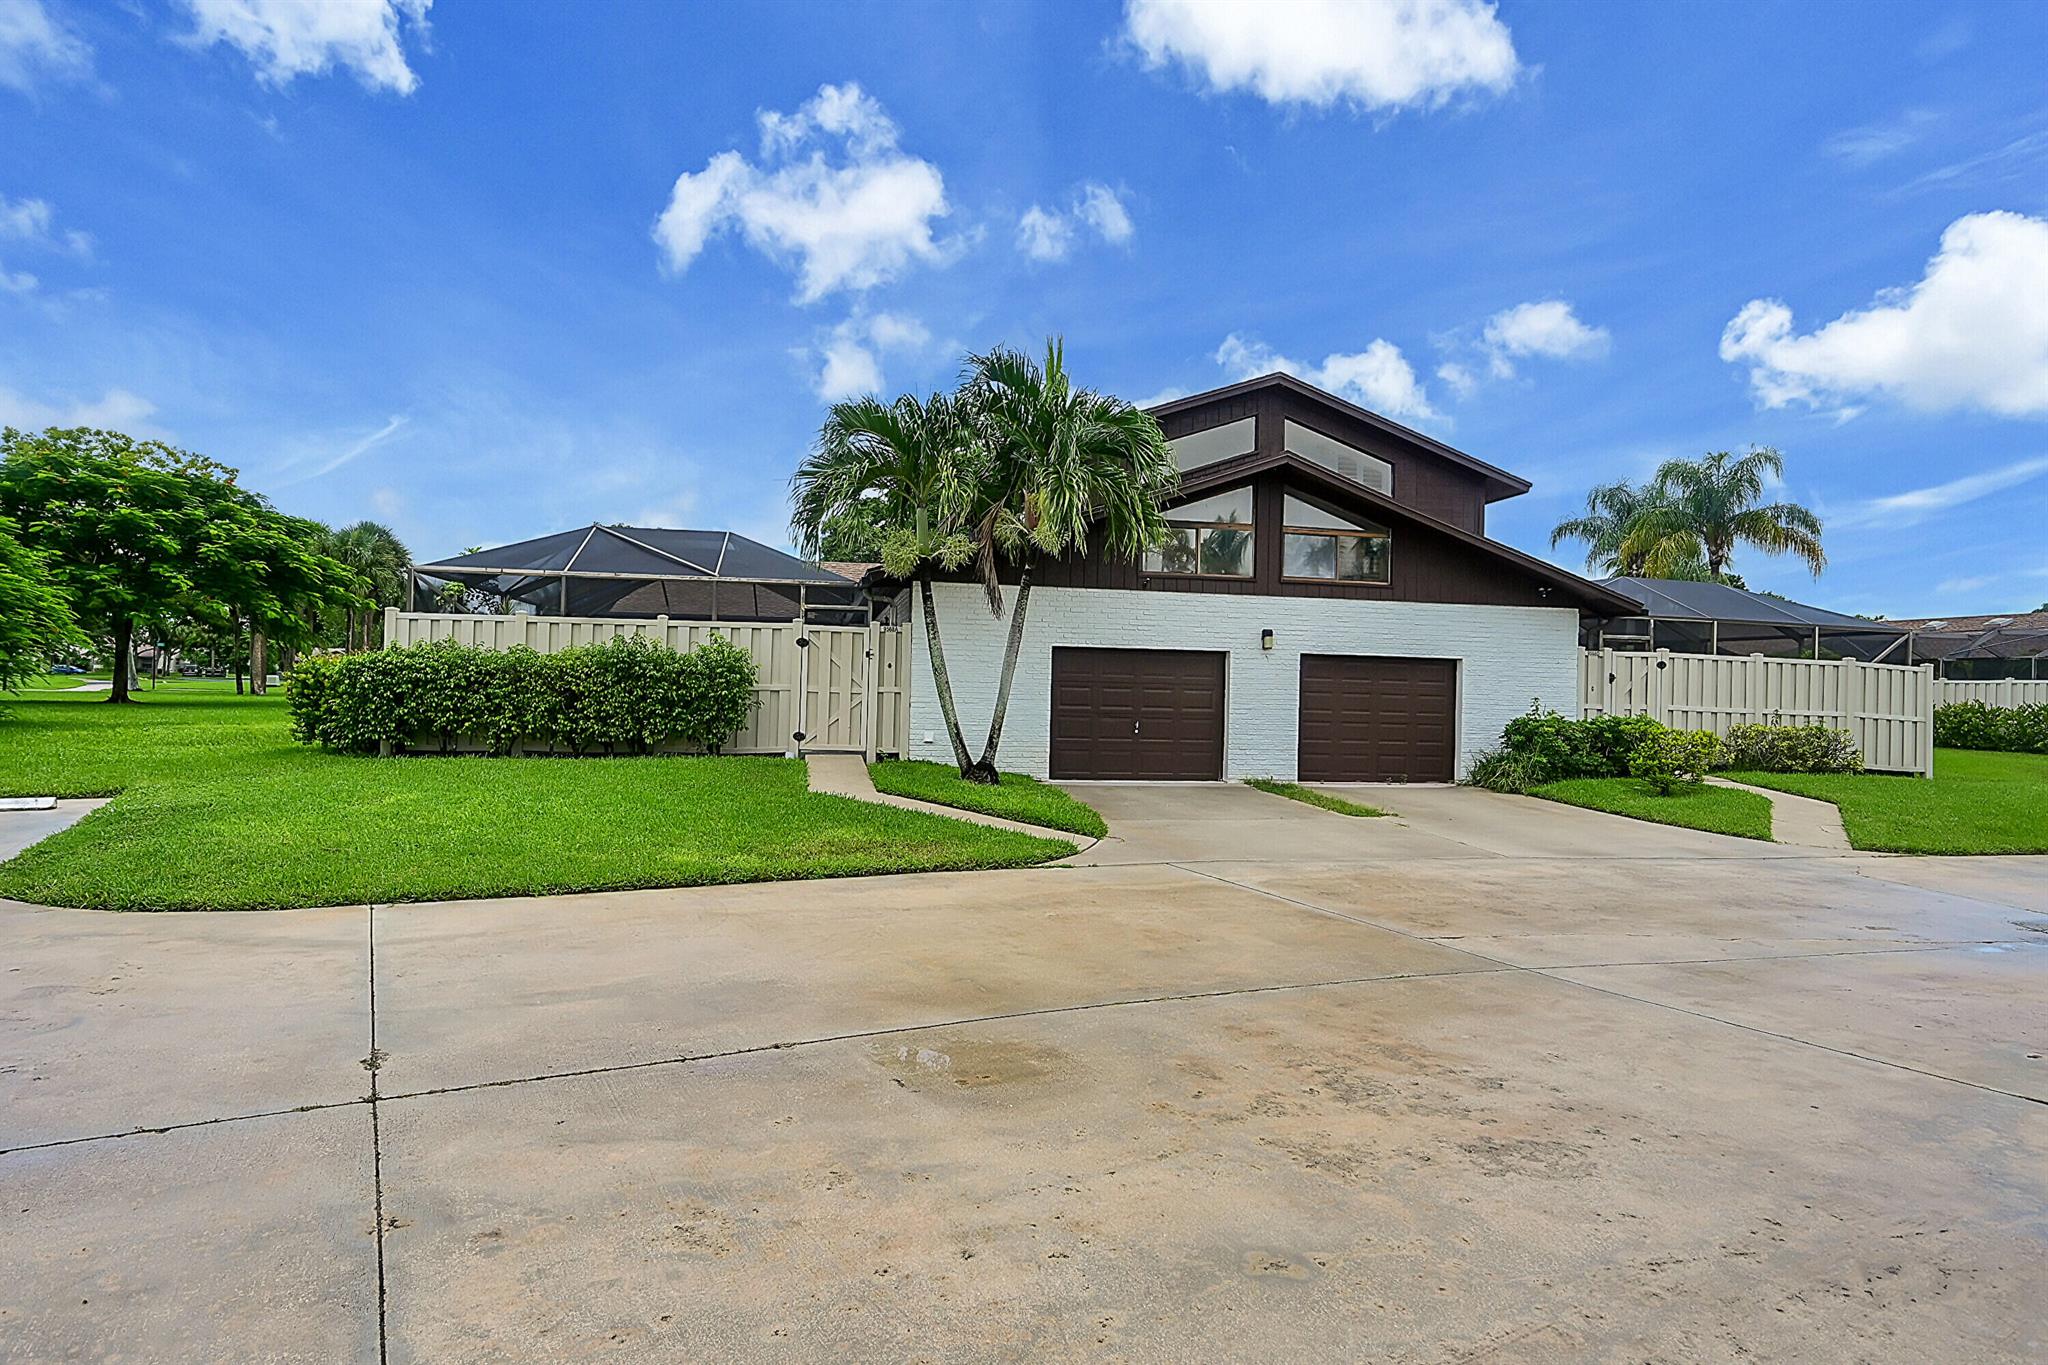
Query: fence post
column 1660, row 688
column 1929, row 688
column 873, row 643
column 390, row 626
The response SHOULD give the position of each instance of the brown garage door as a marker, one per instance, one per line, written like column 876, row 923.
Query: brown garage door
column 1368, row 719
column 1152, row 714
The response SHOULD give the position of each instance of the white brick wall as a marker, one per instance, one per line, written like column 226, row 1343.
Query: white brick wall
column 1507, row 657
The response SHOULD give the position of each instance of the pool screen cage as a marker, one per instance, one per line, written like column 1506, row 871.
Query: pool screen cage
column 1715, row 618
column 639, row 572
column 1984, row 648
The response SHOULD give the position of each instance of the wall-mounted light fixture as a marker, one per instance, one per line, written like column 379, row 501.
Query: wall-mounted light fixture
column 1265, row 639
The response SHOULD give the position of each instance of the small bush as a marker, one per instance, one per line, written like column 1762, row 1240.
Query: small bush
column 1976, row 725
column 1675, row 758
column 629, row 695
column 1790, row 749
column 1503, row 770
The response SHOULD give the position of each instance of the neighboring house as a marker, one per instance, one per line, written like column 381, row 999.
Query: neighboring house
column 1328, row 608
column 2008, row 645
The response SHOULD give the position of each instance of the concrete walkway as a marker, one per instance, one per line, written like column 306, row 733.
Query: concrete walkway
column 1799, row 820
column 20, row 828
column 847, row 775
column 1300, row 1087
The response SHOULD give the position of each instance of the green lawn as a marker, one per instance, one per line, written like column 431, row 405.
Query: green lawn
column 219, row 809
column 1018, row 798
column 1718, row 810
column 1975, row 803
column 1309, row 796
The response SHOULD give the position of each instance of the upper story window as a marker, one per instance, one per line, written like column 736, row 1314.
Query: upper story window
column 1211, row 444
column 1212, row 536
column 1339, row 458
column 1320, row 544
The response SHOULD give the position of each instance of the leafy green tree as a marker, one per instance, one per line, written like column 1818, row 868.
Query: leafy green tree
column 117, row 519
column 855, row 535
column 1705, row 508
column 35, row 619
column 1059, row 462
column 912, row 465
column 139, row 532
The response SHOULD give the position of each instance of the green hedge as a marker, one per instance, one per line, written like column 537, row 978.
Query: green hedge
column 627, row 696
column 1974, row 725
column 1543, row 747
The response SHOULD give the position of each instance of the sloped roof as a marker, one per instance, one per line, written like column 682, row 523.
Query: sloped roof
column 1499, row 483
column 640, row 552
column 1670, row 599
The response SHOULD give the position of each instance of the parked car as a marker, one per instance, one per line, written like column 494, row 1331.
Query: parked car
column 66, row 668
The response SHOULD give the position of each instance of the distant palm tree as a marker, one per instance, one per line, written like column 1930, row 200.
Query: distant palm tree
column 1706, row 507
column 1688, row 519
column 1612, row 513
column 1059, row 460
column 374, row 551
column 911, row 465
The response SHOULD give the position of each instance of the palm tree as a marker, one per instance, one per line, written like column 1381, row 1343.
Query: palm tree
column 1058, row 458
column 1706, row 507
column 376, row 553
column 1613, row 511
column 912, row 465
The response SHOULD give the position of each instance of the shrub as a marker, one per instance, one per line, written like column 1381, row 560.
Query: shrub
column 1976, row 725
column 1503, row 770
column 1671, row 759
column 630, row 695
column 1790, row 749
column 1550, row 748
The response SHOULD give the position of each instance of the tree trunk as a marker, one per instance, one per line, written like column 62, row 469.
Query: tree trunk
column 985, row 771
column 124, row 659
column 942, row 682
column 259, row 664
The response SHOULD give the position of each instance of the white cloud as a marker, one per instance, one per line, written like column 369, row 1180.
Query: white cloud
column 1972, row 333
column 1103, row 209
column 1048, row 234
column 851, row 356
column 1915, row 506
column 323, row 461
column 848, row 220
column 1383, row 55
column 34, row 46
column 32, row 223
column 1460, row 378
column 1379, row 377
column 1044, row 235
column 114, row 410
column 284, row 39
column 1875, row 141
column 1548, row 330
column 1165, row 395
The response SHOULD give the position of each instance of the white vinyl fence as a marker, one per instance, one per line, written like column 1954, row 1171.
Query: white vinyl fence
column 2003, row 692
column 841, row 688
column 1889, row 708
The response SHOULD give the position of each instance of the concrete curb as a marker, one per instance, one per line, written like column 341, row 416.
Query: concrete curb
column 847, row 775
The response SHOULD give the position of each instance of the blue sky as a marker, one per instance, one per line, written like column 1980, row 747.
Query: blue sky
column 441, row 266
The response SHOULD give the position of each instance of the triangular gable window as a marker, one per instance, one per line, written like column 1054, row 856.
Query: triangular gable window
column 1328, row 546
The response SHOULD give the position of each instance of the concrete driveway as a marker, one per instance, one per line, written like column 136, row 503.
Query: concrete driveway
column 1492, row 1080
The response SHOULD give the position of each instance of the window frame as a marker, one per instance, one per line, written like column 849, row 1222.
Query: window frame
column 1385, row 536
column 1250, row 529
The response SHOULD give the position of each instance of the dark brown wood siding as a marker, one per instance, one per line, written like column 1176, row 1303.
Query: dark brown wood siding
column 1427, row 566
column 1150, row 714
column 1368, row 719
column 1422, row 480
